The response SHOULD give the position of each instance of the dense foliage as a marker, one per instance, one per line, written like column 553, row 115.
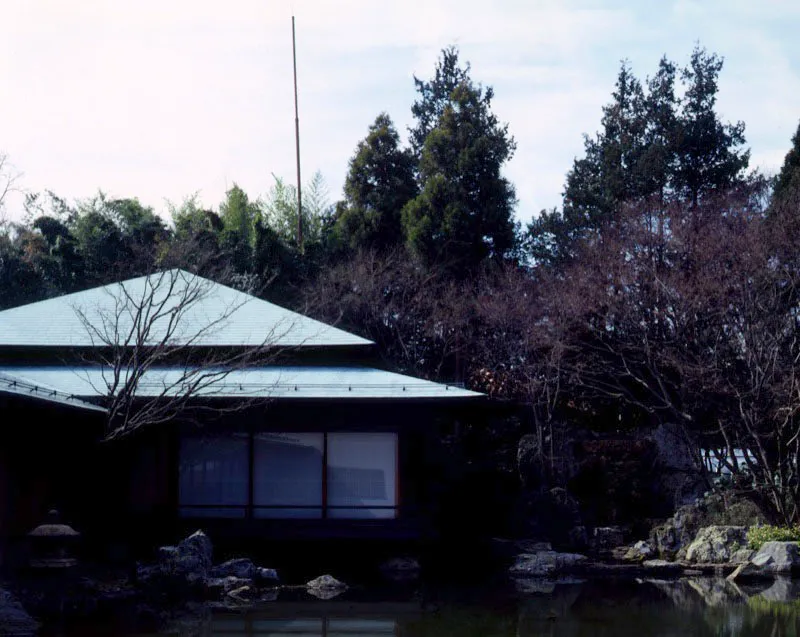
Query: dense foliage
column 757, row 536
column 663, row 291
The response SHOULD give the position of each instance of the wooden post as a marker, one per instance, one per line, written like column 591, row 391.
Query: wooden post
column 297, row 146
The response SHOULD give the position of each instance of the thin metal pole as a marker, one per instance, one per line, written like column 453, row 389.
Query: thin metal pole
column 297, row 145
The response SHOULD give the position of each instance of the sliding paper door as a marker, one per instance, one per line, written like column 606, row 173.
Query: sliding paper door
column 287, row 475
column 213, row 480
column 362, row 475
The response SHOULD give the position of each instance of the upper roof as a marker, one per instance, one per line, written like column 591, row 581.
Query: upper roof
column 209, row 315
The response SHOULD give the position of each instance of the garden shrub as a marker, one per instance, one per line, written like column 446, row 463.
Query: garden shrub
column 758, row 535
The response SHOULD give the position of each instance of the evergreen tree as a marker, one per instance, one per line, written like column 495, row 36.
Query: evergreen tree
column 380, row 181
column 652, row 147
column 709, row 154
column 610, row 171
column 463, row 214
column 435, row 96
column 788, row 179
column 657, row 163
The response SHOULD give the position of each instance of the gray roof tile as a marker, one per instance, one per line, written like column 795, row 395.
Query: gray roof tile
column 219, row 316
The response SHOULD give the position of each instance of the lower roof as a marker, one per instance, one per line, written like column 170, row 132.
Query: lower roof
column 281, row 382
column 15, row 385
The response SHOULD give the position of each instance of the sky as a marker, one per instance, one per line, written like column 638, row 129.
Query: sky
column 161, row 99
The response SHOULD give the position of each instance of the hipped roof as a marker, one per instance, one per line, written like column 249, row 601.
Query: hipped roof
column 220, row 317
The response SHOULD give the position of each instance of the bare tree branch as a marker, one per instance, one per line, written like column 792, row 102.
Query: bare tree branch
column 156, row 360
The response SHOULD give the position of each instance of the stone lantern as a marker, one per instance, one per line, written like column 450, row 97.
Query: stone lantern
column 53, row 544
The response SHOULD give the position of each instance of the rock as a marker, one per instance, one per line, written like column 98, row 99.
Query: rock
column 243, row 594
column 198, row 546
column 324, row 593
column 180, row 570
column 678, row 479
column 672, row 538
column 267, row 575
column 534, row 564
column 242, row 568
column 219, row 586
column 190, row 567
column 778, row 557
column 639, row 552
column 716, row 544
column 674, row 535
column 326, row 582
column 325, row 587
column 662, row 566
column 14, row 620
column 773, row 558
column 531, row 546
column 167, row 553
column 545, row 563
column 742, row 556
column 606, row 538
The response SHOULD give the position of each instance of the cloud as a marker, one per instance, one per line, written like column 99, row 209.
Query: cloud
column 159, row 99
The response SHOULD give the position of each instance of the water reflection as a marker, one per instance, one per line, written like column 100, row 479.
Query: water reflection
column 301, row 627
column 702, row 607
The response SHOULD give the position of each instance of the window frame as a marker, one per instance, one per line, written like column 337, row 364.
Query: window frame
column 250, row 508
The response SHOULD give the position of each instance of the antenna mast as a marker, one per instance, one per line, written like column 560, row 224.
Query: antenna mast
column 297, row 145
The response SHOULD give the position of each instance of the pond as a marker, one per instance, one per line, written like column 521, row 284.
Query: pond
column 596, row 608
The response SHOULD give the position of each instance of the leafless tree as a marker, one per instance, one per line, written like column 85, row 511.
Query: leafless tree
column 154, row 345
column 418, row 316
column 694, row 321
column 9, row 180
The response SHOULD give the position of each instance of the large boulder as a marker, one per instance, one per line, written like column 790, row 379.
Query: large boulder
column 545, row 564
column 773, row 558
column 179, row 569
column 14, row 620
column 640, row 552
column 673, row 536
column 241, row 567
column 679, row 480
column 778, row 557
column 198, row 548
column 716, row 544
